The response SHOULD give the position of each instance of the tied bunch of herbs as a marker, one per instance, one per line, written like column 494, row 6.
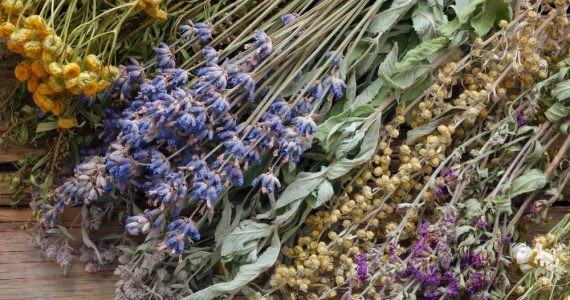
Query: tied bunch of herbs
column 435, row 215
column 392, row 146
column 219, row 128
column 66, row 52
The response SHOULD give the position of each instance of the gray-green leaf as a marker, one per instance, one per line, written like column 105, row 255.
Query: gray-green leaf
column 530, row 181
column 387, row 18
column 246, row 231
column 324, row 193
column 245, row 275
column 556, row 112
column 420, row 53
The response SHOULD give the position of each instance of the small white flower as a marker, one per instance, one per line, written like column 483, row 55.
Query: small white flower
column 521, row 253
column 543, row 259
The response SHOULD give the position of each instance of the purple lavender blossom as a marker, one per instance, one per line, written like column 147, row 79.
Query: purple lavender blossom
column 476, row 282
column 481, row 223
column 361, row 267
column 520, row 117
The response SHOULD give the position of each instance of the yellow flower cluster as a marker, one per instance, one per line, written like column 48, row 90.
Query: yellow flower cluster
column 48, row 79
column 152, row 8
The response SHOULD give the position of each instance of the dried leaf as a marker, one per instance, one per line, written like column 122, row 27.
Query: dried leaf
column 245, row 275
column 530, row 181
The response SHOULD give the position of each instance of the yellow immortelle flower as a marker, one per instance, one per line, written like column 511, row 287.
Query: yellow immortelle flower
column 44, row 89
column 47, row 57
column 102, row 85
column 6, row 29
column 13, row 6
column 110, row 73
column 23, row 71
column 93, row 63
column 15, row 46
column 33, row 49
column 71, row 70
column 90, row 88
column 42, row 34
column 66, row 122
column 54, row 69
column 56, row 83
column 33, row 83
column 43, row 102
column 71, row 83
column 157, row 13
column 38, row 68
column 22, row 35
column 57, row 107
column 35, row 22
column 53, row 43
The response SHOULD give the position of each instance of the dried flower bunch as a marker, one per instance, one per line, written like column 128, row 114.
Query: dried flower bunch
column 317, row 149
column 66, row 51
column 433, row 216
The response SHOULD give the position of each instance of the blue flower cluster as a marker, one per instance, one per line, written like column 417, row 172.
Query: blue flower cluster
column 182, row 141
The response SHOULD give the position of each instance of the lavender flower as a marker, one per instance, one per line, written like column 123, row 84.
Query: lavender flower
column 288, row 18
column 263, row 43
column 202, row 30
column 268, row 182
column 336, row 84
column 165, row 56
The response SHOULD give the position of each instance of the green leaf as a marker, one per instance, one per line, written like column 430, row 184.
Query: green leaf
column 530, row 181
column 487, row 18
column 351, row 88
column 427, row 128
column 420, row 53
column 389, row 63
column 367, row 147
column 245, row 275
column 561, row 91
column 348, row 144
column 246, row 231
column 463, row 229
column 472, row 208
column 367, row 94
column 224, row 226
column 556, row 112
column 288, row 212
column 537, row 153
column 463, row 9
column 46, row 126
column 305, row 184
column 470, row 240
column 324, row 193
column 426, row 19
column 383, row 21
column 503, row 204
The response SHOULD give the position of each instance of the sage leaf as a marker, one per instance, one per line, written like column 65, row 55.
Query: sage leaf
column 556, row 112
column 387, row 18
column 367, row 147
column 530, row 181
column 492, row 11
column 305, row 184
column 324, row 193
column 421, row 52
column 46, row 126
column 246, row 231
column 561, row 91
column 503, row 204
column 245, row 275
